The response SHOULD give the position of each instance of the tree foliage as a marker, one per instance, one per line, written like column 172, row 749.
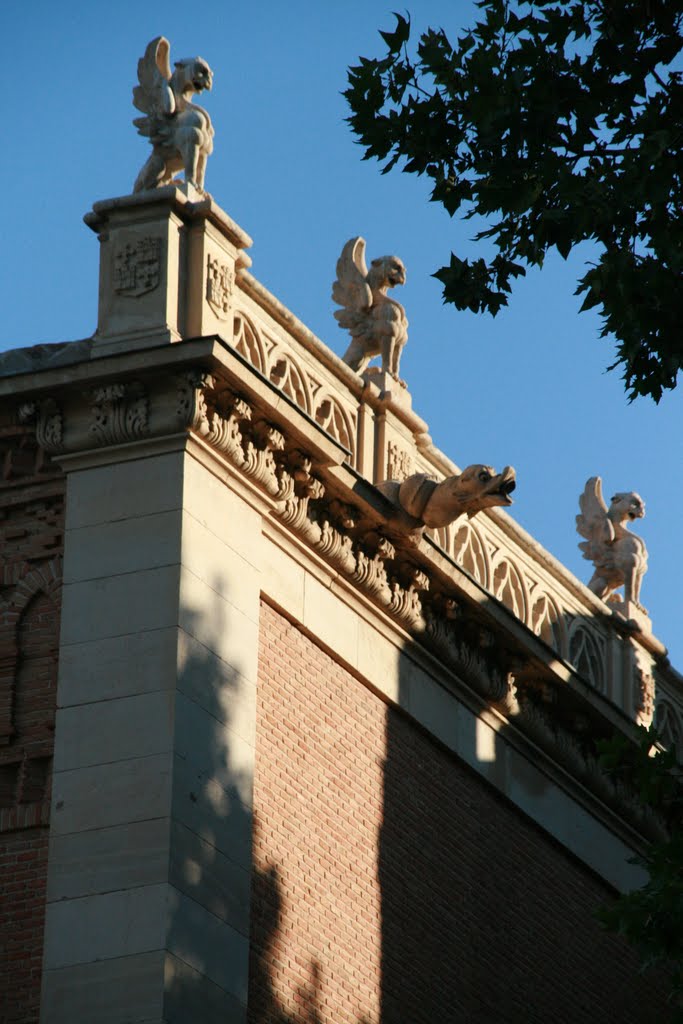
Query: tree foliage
column 557, row 122
column 651, row 918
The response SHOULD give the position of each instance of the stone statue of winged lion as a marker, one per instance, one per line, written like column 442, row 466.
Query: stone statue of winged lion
column 180, row 131
column 619, row 556
column 377, row 323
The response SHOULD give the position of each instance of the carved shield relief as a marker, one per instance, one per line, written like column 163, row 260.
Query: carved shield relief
column 137, row 267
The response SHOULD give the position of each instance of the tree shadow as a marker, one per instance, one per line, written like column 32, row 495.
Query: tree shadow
column 485, row 916
column 211, row 821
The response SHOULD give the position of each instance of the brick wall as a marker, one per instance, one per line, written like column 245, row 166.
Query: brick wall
column 392, row 885
column 31, row 545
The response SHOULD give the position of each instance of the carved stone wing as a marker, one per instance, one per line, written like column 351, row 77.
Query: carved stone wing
column 154, row 96
column 351, row 289
column 593, row 523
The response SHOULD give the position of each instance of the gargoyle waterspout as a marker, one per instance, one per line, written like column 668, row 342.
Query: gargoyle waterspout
column 426, row 502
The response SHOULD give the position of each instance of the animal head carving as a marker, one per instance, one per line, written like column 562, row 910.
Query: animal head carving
column 386, row 271
column 476, row 488
column 192, row 74
column 626, row 505
column 430, row 503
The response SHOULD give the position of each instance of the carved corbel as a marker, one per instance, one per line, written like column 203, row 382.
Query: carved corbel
column 225, row 412
column 440, row 616
column 334, row 543
column 406, row 602
column 48, row 423
column 299, row 488
column 643, row 687
column 120, row 413
column 191, row 410
column 370, row 572
column 259, row 462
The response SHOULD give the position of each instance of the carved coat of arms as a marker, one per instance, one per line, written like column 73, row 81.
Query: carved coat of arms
column 219, row 282
column 137, row 267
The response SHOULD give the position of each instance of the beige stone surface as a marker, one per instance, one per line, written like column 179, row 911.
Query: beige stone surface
column 114, row 730
column 127, row 665
column 98, row 796
column 113, row 605
column 106, row 926
column 131, row 489
column 165, row 98
column 128, row 988
column 377, row 323
column 620, row 557
column 125, row 545
column 108, row 859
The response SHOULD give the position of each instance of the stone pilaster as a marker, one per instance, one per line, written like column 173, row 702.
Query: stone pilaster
column 150, row 850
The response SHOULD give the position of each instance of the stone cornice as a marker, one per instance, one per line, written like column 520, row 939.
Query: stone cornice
column 204, row 389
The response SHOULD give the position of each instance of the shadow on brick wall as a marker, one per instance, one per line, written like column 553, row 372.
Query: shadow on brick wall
column 486, row 919
column 265, row 1005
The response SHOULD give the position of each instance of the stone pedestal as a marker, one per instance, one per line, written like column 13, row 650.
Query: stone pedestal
column 167, row 268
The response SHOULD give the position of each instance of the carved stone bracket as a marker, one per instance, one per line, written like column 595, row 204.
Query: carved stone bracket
column 370, row 572
column 48, row 422
column 120, row 413
column 225, row 414
column 406, row 603
column 260, row 462
column 298, row 488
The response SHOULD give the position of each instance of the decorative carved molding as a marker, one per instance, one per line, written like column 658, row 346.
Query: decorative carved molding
column 370, row 572
column 299, row 488
column 48, row 421
column 337, row 547
column 259, row 462
column 396, row 579
column 120, row 413
column 332, row 418
column 406, row 603
column 287, row 375
column 640, row 666
column 247, row 341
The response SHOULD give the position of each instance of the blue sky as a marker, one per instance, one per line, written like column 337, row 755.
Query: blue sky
column 527, row 389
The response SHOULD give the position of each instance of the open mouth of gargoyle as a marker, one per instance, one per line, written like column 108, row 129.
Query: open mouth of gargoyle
column 504, row 485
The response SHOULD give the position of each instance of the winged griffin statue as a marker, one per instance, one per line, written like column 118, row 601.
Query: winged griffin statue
column 180, row 132
column 377, row 323
column 619, row 557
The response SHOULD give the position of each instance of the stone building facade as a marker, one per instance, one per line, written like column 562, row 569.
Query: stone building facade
column 265, row 757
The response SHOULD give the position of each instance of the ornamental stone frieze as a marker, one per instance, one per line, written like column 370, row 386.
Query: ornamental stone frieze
column 306, row 436
column 312, row 493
